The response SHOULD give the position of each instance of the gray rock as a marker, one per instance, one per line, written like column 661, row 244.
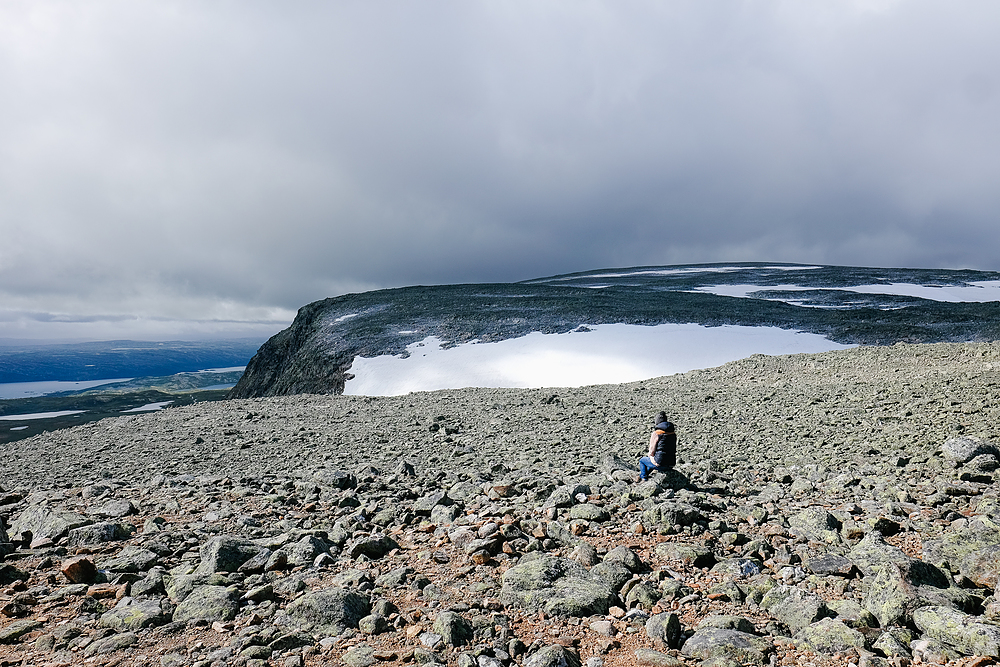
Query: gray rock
column 966, row 634
column 830, row 564
column 727, row 623
column 12, row 632
column 99, row 533
column 966, row 448
column 111, row 644
column 829, row 635
column 131, row 558
column 816, row 524
column 794, row 607
column 612, row 573
column 895, row 591
column 651, row 658
column 374, row 546
column 664, row 628
column 552, row 656
column 557, row 586
column 589, row 512
column 114, row 509
column 671, row 513
column 982, row 567
column 719, row 644
column 873, row 552
column 328, row 611
column 454, row 630
column 627, row 557
column 226, row 553
column 303, row 552
column 361, row 655
column 132, row 614
column 208, row 604
column 696, row 555
column 46, row 523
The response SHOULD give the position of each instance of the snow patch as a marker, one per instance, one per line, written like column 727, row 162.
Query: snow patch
column 607, row 353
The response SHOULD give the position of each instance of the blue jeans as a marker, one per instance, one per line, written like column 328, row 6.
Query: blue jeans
column 646, row 466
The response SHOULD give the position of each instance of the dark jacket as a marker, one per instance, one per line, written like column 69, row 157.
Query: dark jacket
column 666, row 446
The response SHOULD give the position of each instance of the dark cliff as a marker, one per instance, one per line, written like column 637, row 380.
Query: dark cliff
column 315, row 354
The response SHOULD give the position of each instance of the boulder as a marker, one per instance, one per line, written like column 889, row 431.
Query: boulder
column 225, row 553
column 815, row 524
column 328, row 611
column 794, row 607
column 829, row 635
column 99, row 533
column 966, row 448
column 727, row 645
column 895, row 591
column 552, row 656
column 131, row 614
column 46, row 523
column 664, row 629
column 966, row 634
column 454, row 630
column 373, row 546
column 558, row 586
column 982, row 567
column 131, row 558
column 207, row 604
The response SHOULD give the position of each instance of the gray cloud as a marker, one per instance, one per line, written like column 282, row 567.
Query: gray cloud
column 228, row 162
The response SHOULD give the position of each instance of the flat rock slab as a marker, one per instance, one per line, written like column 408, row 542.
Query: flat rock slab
column 717, row 643
column 209, row 604
column 558, row 586
column 965, row 633
column 329, row 611
column 46, row 523
column 131, row 614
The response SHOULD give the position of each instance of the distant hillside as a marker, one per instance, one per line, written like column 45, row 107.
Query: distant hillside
column 117, row 359
column 849, row 305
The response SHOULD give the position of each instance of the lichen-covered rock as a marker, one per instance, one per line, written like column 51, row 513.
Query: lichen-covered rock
column 226, row 553
column 726, row 622
column 557, row 586
column 664, row 628
column 794, row 607
column 46, row 523
column 132, row 558
column 829, row 635
column 328, row 611
column 966, row 448
column 208, row 604
column 816, row 524
column 552, row 656
column 99, row 533
column 982, row 567
column 719, row 644
column 895, row 591
column 131, row 614
column 965, row 633
column 454, row 630
column 873, row 552
column 374, row 546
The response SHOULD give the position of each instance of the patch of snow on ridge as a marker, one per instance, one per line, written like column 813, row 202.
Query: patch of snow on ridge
column 981, row 291
column 40, row 415
column 608, row 353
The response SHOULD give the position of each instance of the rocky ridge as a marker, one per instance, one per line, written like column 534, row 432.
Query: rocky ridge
column 828, row 509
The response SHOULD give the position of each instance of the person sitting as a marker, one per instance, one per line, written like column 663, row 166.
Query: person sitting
column 662, row 448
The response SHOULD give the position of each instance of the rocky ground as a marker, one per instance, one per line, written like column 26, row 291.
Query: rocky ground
column 838, row 508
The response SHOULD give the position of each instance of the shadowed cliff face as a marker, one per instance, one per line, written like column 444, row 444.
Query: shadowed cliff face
column 295, row 361
column 315, row 354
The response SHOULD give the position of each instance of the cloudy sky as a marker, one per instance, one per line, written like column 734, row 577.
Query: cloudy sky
column 188, row 169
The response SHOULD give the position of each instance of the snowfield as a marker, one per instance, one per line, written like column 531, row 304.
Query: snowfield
column 604, row 354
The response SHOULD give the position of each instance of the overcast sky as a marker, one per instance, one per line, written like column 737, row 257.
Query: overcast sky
column 186, row 169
